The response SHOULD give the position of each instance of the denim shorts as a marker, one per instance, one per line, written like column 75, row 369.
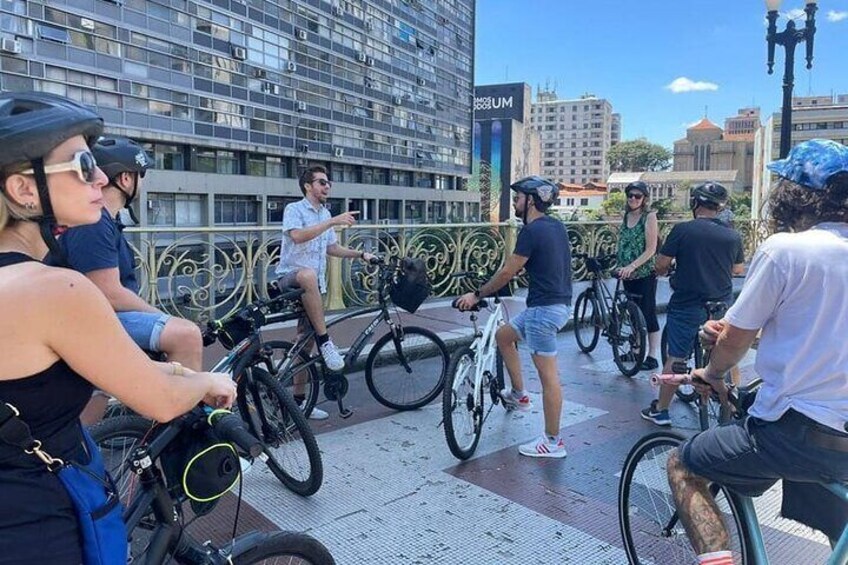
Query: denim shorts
column 538, row 326
column 681, row 325
column 145, row 328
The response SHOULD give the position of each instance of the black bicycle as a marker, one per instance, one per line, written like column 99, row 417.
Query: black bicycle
column 597, row 311
column 405, row 368
column 195, row 459
column 290, row 449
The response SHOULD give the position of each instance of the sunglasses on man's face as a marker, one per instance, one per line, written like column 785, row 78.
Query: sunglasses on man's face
column 324, row 182
column 635, row 196
column 83, row 164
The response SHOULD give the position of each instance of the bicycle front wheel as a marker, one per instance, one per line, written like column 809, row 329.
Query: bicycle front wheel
column 647, row 516
column 629, row 338
column 409, row 371
column 587, row 321
column 461, row 415
column 287, row 548
column 273, row 416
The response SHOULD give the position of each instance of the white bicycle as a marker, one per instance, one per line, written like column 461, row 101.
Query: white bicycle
column 475, row 372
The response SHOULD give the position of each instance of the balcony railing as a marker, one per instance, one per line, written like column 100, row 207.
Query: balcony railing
column 204, row 273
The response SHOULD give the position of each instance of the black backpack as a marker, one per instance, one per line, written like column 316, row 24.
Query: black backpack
column 412, row 286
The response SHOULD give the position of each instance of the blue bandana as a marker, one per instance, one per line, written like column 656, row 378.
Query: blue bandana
column 812, row 163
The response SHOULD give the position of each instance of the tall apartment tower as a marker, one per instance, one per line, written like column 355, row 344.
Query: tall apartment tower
column 234, row 99
column 575, row 136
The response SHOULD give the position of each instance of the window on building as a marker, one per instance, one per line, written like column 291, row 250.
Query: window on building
column 236, row 210
column 176, row 210
column 584, row 201
column 389, row 211
column 414, row 212
column 437, row 212
column 372, row 175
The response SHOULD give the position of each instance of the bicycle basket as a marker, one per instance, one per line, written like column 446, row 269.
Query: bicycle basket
column 411, row 286
column 201, row 467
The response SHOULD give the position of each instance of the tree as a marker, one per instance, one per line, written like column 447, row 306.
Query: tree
column 614, row 204
column 740, row 204
column 663, row 207
column 638, row 155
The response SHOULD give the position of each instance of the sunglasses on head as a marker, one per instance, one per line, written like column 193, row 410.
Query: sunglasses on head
column 635, row 196
column 83, row 164
column 324, row 182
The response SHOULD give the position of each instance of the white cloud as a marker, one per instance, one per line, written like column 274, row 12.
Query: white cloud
column 834, row 16
column 795, row 14
column 683, row 84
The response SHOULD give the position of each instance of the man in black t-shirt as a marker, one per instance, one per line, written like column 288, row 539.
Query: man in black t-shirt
column 543, row 250
column 707, row 254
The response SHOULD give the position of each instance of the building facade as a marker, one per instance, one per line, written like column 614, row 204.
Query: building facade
column 707, row 148
column 505, row 147
column 674, row 185
column 576, row 136
column 234, row 98
column 813, row 117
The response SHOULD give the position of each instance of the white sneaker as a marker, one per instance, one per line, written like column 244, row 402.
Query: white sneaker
column 543, row 447
column 316, row 414
column 332, row 357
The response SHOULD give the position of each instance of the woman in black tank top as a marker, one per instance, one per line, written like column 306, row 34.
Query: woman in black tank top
column 58, row 334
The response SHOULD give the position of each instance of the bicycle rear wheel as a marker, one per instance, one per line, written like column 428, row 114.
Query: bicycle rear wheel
column 287, row 548
column 647, row 515
column 409, row 372
column 686, row 393
column 302, row 383
column 629, row 338
column 463, row 420
column 273, row 416
column 587, row 321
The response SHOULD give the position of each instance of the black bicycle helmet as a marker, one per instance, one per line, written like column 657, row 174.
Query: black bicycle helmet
column 32, row 124
column 116, row 155
column 711, row 194
column 640, row 186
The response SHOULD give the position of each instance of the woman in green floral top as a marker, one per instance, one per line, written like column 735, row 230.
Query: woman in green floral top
column 637, row 246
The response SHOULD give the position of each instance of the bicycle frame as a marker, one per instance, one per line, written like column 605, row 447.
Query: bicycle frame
column 485, row 348
column 839, row 556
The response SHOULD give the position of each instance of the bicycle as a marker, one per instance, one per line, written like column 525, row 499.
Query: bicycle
column 649, row 523
column 597, row 311
column 269, row 411
column 155, row 516
column 405, row 368
column 475, row 370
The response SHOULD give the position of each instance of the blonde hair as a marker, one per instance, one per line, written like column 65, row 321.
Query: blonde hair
column 10, row 211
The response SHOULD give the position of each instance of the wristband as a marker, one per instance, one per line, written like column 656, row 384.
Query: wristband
column 177, row 369
column 362, row 255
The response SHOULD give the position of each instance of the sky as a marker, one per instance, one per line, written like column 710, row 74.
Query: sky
column 661, row 63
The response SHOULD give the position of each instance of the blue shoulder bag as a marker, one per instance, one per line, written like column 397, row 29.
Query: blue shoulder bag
column 90, row 488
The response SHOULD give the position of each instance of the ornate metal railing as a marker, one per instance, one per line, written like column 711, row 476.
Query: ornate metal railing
column 203, row 273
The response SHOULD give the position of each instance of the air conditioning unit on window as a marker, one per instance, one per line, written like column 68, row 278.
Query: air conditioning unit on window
column 260, row 73
column 301, row 106
column 369, row 61
column 271, row 88
column 85, row 23
column 397, row 100
column 291, row 66
column 339, row 151
column 361, row 57
column 304, row 148
column 239, row 52
column 338, row 10
column 272, row 205
column 300, row 34
column 422, row 81
column 10, row 46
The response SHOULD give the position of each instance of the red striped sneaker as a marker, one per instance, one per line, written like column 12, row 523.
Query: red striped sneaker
column 543, row 447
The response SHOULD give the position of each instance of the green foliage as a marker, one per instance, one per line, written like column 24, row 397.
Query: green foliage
column 740, row 205
column 614, row 204
column 663, row 207
column 639, row 155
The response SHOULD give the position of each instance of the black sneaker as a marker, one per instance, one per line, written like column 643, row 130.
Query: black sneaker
column 649, row 364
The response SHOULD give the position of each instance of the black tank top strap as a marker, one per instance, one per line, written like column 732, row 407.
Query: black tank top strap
column 8, row 258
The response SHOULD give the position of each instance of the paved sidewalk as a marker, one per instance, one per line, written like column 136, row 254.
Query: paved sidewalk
column 393, row 494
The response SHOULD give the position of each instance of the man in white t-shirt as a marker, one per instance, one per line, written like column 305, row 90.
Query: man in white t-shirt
column 796, row 292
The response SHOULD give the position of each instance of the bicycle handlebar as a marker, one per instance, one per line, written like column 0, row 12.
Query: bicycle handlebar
column 230, row 428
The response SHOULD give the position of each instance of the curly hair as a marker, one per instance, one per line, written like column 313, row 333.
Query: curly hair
column 793, row 207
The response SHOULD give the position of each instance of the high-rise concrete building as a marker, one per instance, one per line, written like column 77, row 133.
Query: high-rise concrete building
column 234, row 98
column 813, row 117
column 744, row 125
column 576, row 136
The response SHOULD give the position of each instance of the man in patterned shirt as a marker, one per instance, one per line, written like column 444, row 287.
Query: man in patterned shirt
column 308, row 238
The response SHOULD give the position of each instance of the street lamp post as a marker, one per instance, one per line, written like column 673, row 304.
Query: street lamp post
column 789, row 39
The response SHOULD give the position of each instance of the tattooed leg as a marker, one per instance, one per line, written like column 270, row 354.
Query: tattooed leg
column 696, row 508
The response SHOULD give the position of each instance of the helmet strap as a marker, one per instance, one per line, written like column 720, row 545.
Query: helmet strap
column 47, row 224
